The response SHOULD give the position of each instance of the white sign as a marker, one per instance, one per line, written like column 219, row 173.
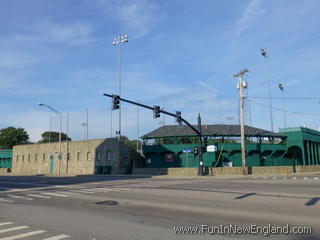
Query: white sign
column 186, row 150
column 211, row 148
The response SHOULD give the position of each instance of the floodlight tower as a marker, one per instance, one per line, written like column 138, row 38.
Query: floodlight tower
column 265, row 55
column 281, row 87
column 118, row 41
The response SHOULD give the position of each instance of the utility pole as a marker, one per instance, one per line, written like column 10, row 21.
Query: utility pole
column 242, row 85
column 264, row 54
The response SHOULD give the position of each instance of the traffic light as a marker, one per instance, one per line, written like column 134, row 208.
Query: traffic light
column 195, row 150
column 178, row 118
column 156, row 111
column 115, row 102
column 205, row 141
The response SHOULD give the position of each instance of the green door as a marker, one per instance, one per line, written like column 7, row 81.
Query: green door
column 51, row 163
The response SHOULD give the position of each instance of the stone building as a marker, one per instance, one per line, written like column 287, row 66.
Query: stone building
column 98, row 156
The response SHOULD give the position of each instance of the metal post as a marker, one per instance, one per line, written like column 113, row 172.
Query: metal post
column 118, row 41
column 67, row 157
column 243, row 147
column 284, row 110
column 87, row 124
column 264, row 54
column 243, row 152
column 137, row 128
column 187, row 162
column 119, row 74
column 111, row 129
column 200, row 171
column 284, row 104
column 60, row 157
column 59, row 114
column 50, row 129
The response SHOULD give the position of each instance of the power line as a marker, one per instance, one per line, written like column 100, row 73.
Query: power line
column 293, row 98
column 279, row 109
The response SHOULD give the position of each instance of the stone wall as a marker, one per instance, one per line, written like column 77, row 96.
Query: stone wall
column 166, row 171
column 301, row 169
column 4, row 170
column 78, row 157
column 281, row 170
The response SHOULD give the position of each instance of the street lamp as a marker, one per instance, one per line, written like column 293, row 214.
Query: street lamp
column 118, row 41
column 59, row 114
column 284, row 104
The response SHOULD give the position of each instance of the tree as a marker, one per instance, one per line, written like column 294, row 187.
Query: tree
column 133, row 144
column 54, row 137
column 12, row 136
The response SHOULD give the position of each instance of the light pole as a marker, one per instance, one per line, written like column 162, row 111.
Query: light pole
column 59, row 114
column 118, row 41
column 284, row 104
column 84, row 125
column 264, row 54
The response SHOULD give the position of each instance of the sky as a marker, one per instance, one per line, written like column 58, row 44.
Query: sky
column 181, row 55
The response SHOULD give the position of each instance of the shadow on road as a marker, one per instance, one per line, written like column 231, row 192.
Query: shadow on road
column 40, row 181
column 311, row 202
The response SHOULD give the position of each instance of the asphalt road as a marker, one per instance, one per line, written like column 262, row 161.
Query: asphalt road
column 99, row 208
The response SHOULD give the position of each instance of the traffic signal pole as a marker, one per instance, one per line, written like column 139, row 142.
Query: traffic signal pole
column 197, row 131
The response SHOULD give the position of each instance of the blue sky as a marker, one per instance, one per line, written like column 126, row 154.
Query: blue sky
column 60, row 53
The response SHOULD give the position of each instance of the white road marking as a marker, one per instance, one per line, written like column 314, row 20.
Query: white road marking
column 58, row 237
column 265, row 178
column 305, row 178
column 56, row 194
column 5, row 200
column 111, row 189
column 13, row 229
column 316, row 178
column 20, row 197
column 23, row 235
column 90, row 190
column 274, row 178
column 67, row 192
column 38, row 196
column 81, row 191
column 105, row 189
column 6, row 223
column 122, row 189
column 294, row 178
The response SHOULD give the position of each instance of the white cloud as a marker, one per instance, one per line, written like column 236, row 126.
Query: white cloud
column 249, row 16
column 139, row 16
column 14, row 59
column 71, row 34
